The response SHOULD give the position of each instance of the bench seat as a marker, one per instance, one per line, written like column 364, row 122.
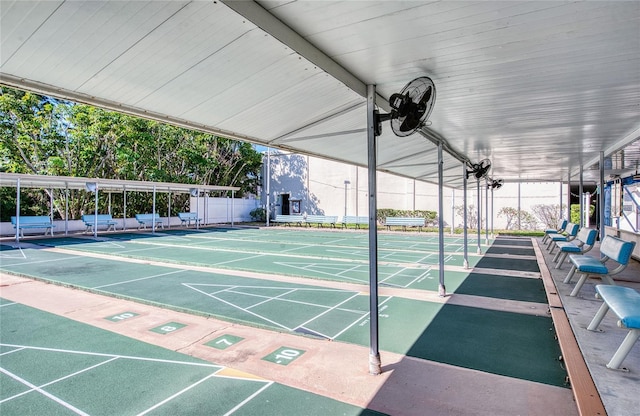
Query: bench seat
column 321, row 219
column 611, row 248
column 353, row 219
column 582, row 244
column 32, row 221
column 103, row 219
column 624, row 302
column 187, row 217
column 571, row 234
column 404, row 222
column 289, row 219
column 149, row 219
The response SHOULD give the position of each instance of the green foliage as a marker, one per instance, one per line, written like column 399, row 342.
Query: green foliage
column 527, row 220
column 575, row 212
column 258, row 214
column 42, row 135
column 431, row 217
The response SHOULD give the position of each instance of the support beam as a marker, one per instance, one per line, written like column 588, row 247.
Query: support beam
column 441, row 288
column 601, row 198
column 479, row 251
column 375, row 366
column 465, row 239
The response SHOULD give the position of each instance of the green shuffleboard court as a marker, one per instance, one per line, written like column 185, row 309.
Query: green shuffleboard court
column 51, row 365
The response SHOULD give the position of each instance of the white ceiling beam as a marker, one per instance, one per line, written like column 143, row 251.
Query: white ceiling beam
column 260, row 17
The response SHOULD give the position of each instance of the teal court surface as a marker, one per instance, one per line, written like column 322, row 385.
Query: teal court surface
column 306, row 289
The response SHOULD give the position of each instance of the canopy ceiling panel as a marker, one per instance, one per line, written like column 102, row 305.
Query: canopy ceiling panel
column 540, row 88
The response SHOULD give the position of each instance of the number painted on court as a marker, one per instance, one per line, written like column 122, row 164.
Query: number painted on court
column 223, row 342
column 167, row 328
column 284, row 355
column 121, row 316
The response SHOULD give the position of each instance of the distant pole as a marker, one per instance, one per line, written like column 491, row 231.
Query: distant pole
column 268, row 207
column 18, row 210
column 442, row 291
column 153, row 217
column 95, row 214
column 486, row 212
column 375, row 366
column 492, row 212
column 453, row 210
column 601, row 197
column 464, row 217
column 51, row 209
column 346, row 183
column 581, row 198
column 479, row 251
column 519, row 208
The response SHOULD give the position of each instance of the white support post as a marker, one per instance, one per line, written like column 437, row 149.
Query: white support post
column 51, row 210
column 464, row 217
column 601, row 198
column 375, row 365
column 486, row 212
column 153, row 217
column 18, row 210
column 479, row 251
column 124, row 207
column 442, row 291
column 95, row 213
column 233, row 198
column 453, row 210
column 169, row 209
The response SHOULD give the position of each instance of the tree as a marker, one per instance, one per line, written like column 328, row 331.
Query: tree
column 549, row 215
column 43, row 135
column 472, row 215
column 527, row 221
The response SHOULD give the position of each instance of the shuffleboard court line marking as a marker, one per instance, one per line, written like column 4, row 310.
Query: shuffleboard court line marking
column 327, row 311
column 240, row 308
column 168, row 399
column 101, row 354
column 44, row 393
column 269, row 299
column 140, row 279
column 59, row 379
column 360, row 319
column 38, row 262
column 248, row 399
column 12, row 351
column 7, row 304
column 10, row 256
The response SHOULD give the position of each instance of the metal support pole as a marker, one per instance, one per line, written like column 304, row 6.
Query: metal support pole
column 153, row 218
column 66, row 208
column 486, row 213
column 441, row 288
column 519, row 208
column 169, row 209
column 18, row 210
column 346, row 183
column 492, row 212
column 374, row 353
column 197, row 209
column 581, row 197
column 124, row 207
column 268, row 207
column 233, row 197
column 569, row 197
column 95, row 214
column 601, row 197
column 479, row 251
column 453, row 210
column 464, row 217
column 51, row 209
column 561, row 200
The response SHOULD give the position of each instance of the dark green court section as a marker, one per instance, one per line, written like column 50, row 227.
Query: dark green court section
column 507, row 263
column 503, row 287
column 513, row 241
column 506, row 343
column 78, row 368
column 49, row 265
column 514, row 251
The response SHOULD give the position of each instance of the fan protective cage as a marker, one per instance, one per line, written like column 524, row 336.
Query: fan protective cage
column 412, row 106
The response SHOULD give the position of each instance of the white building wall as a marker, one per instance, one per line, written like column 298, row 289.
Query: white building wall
column 320, row 185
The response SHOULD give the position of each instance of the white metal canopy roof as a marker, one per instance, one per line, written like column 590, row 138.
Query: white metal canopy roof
column 540, row 88
column 103, row 185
